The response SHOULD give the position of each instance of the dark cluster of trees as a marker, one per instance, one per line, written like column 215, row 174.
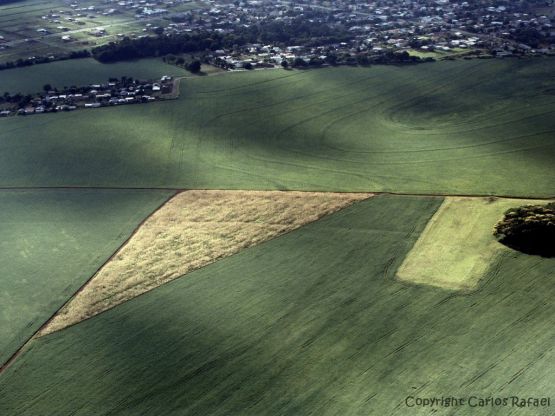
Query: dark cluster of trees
column 43, row 60
column 17, row 100
column 532, row 37
column 129, row 49
column 298, row 31
column 193, row 66
column 530, row 229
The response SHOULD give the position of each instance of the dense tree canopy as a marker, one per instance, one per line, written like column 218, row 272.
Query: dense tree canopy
column 296, row 32
column 530, row 229
column 194, row 66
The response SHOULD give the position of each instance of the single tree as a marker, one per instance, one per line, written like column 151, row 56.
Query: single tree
column 194, row 66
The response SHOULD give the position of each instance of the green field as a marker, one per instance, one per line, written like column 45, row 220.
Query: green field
column 316, row 321
column 463, row 127
column 80, row 72
column 312, row 322
column 52, row 242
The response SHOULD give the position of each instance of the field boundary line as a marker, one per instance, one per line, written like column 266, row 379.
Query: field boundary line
column 21, row 349
column 178, row 190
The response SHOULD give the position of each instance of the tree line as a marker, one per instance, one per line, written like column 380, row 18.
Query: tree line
column 43, row 59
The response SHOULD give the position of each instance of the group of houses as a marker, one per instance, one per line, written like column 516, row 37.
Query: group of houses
column 441, row 29
column 115, row 92
column 436, row 27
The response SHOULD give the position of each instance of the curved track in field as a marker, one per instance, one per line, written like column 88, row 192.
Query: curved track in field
column 421, row 129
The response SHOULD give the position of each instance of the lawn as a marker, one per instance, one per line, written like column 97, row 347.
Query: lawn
column 81, row 72
column 463, row 127
column 52, row 242
column 425, row 54
column 312, row 322
column 457, row 248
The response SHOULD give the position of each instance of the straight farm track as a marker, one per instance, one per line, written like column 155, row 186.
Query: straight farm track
column 464, row 127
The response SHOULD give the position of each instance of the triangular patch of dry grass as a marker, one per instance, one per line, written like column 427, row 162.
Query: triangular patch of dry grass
column 192, row 230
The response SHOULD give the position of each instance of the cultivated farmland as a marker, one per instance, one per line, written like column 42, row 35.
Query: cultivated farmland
column 52, row 242
column 463, row 127
column 312, row 322
column 347, row 315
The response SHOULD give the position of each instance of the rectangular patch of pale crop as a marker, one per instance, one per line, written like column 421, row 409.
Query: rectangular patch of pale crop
column 457, row 247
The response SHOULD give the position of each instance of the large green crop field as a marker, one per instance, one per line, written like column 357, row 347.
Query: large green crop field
column 309, row 323
column 316, row 321
column 80, row 72
column 52, row 242
column 463, row 127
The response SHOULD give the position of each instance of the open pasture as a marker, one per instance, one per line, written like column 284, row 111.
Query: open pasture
column 463, row 127
column 52, row 242
column 312, row 322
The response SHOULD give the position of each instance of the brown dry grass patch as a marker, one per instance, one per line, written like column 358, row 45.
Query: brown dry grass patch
column 192, row 230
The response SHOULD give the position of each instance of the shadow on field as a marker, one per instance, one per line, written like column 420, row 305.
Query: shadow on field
column 408, row 129
column 53, row 240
